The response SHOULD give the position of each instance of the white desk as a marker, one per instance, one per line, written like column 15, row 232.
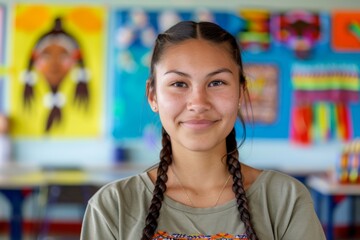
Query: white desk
column 325, row 188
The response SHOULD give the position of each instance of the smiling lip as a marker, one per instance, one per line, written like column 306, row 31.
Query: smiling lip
column 198, row 124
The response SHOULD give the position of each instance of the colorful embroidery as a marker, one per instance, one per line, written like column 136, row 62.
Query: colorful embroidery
column 161, row 235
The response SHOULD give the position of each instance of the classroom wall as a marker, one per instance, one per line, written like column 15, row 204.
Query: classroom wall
column 258, row 151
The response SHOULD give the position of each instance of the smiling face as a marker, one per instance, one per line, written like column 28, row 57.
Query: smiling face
column 197, row 94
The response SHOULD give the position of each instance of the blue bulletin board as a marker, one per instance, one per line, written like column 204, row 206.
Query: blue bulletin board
column 267, row 48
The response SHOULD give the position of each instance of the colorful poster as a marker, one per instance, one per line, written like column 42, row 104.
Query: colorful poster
column 321, row 101
column 298, row 30
column 254, row 35
column 263, row 81
column 135, row 31
column 58, row 80
column 345, row 34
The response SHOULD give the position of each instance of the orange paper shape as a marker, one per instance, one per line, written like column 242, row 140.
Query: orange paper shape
column 345, row 35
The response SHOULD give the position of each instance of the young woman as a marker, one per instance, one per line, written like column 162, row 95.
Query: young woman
column 199, row 189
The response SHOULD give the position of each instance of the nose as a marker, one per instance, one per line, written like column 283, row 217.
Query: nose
column 198, row 100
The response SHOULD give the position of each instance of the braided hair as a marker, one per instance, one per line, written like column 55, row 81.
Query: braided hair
column 211, row 32
column 234, row 167
column 160, row 187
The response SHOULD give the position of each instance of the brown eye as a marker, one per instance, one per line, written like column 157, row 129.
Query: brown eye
column 216, row 83
column 179, row 84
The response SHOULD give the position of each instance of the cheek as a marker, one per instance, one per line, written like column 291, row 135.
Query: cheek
column 67, row 63
column 228, row 105
column 230, row 111
column 41, row 65
column 170, row 104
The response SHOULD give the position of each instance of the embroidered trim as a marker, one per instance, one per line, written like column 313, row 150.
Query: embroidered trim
column 161, row 235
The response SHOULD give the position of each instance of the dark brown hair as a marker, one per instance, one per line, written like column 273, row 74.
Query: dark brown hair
column 211, row 32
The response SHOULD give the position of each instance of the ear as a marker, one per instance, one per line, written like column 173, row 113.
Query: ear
column 151, row 95
column 241, row 98
column 241, row 93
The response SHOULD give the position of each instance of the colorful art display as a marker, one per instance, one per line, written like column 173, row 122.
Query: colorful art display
column 298, row 30
column 345, row 34
column 57, row 85
column 321, row 98
column 263, row 80
column 347, row 169
column 254, row 35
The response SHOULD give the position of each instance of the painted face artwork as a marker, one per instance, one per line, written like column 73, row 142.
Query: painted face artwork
column 54, row 62
column 55, row 55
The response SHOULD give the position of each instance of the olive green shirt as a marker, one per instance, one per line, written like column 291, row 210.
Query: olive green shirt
column 281, row 208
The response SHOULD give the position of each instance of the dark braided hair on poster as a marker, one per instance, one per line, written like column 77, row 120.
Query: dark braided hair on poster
column 160, row 188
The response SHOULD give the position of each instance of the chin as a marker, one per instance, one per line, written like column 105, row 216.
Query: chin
column 199, row 146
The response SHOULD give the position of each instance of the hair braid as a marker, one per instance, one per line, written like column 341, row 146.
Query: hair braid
column 160, row 188
column 234, row 168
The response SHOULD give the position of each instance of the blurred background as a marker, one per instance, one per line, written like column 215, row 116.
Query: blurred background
column 74, row 115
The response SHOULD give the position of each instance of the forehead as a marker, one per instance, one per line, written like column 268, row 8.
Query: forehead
column 54, row 48
column 57, row 42
column 197, row 51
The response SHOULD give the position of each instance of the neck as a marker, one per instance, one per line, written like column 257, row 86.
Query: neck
column 193, row 167
column 199, row 179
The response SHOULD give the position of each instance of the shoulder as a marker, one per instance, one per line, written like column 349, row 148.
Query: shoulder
column 117, row 210
column 275, row 179
column 121, row 191
column 287, row 183
column 280, row 187
column 282, row 207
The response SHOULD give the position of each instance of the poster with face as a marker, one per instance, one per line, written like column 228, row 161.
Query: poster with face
column 58, row 81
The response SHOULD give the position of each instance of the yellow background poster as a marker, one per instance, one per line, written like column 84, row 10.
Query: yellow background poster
column 57, row 60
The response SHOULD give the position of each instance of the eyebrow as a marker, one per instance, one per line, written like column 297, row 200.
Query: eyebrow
column 221, row 70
